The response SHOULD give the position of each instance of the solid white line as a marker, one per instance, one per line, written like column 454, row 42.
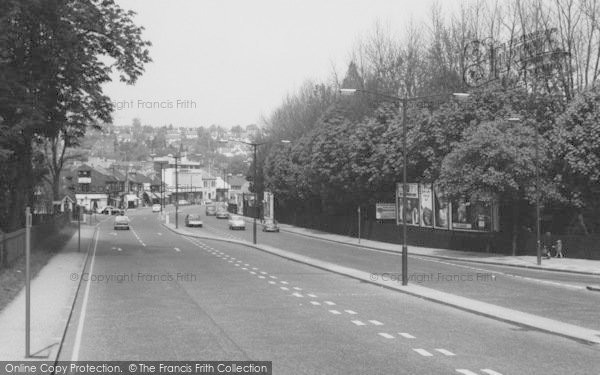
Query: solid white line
column 465, row 372
column 351, row 312
column 329, row 303
column 79, row 333
column 386, row 335
column 445, row 352
column 375, row 322
column 358, row 323
column 406, row 335
column 490, row 371
column 423, row 352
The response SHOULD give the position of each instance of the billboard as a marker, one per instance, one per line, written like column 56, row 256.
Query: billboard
column 426, row 205
column 442, row 209
column 472, row 216
column 410, row 215
column 268, row 205
column 385, row 211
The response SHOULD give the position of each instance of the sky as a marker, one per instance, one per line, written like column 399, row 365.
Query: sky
column 231, row 62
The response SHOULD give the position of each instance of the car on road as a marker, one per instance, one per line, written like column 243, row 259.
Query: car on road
column 237, row 222
column 211, row 210
column 156, row 207
column 270, row 226
column 108, row 210
column 193, row 220
column 222, row 214
column 121, row 222
column 183, row 202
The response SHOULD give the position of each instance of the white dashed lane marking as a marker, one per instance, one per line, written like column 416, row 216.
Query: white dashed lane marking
column 465, row 372
column 284, row 288
column 335, row 312
column 315, row 303
column 375, row 322
column 385, row 335
column 490, row 371
column 177, row 249
column 406, row 335
column 445, row 352
column 329, row 303
column 312, row 295
column 351, row 312
column 358, row 323
column 423, row 352
column 297, row 295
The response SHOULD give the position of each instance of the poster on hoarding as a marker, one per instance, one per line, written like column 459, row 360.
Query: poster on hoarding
column 472, row 216
column 411, row 213
column 426, row 205
column 442, row 209
column 268, row 205
column 385, row 211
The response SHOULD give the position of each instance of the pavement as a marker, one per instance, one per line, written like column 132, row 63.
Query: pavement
column 467, row 304
column 52, row 297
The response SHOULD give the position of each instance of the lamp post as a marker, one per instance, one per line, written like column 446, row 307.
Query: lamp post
column 538, row 247
column 404, row 101
column 176, row 156
column 254, row 148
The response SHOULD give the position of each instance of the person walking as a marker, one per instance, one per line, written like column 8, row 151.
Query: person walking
column 559, row 249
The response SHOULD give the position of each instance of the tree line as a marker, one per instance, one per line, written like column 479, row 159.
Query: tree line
column 55, row 55
column 347, row 151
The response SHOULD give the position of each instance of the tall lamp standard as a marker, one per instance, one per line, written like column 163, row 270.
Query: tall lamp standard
column 176, row 156
column 404, row 101
column 161, row 191
column 538, row 247
column 254, row 175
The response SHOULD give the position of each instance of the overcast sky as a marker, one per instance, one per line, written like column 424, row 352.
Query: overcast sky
column 227, row 62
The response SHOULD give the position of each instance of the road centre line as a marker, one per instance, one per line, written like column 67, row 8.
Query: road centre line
column 423, row 352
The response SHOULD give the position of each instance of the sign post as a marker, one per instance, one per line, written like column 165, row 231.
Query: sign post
column 358, row 224
column 27, row 281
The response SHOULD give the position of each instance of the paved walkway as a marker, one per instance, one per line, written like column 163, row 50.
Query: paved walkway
column 555, row 264
column 52, row 294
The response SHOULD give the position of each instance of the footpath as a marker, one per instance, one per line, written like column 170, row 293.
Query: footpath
column 53, row 293
column 520, row 318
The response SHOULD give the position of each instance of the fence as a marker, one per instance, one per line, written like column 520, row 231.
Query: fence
column 12, row 245
column 587, row 247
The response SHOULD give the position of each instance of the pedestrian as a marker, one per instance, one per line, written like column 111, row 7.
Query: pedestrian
column 547, row 245
column 559, row 249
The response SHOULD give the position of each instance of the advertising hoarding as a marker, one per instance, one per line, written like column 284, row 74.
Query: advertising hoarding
column 385, row 211
column 426, row 205
column 442, row 209
column 411, row 213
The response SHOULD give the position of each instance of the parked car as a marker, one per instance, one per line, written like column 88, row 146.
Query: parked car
column 156, row 207
column 183, row 202
column 237, row 222
column 222, row 214
column 193, row 220
column 270, row 226
column 211, row 210
column 121, row 222
column 108, row 210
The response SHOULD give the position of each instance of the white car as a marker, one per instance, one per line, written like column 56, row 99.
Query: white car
column 193, row 220
column 237, row 222
column 156, row 208
column 121, row 222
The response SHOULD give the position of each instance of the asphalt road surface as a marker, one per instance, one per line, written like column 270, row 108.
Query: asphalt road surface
column 154, row 295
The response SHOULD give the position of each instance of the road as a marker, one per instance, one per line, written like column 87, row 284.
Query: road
column 557, row 295
column 156, row 295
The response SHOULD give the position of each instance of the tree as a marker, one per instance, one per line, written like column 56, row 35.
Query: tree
column 52, row 86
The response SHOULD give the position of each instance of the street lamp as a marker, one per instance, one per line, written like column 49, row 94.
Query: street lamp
column 161, row 191
column 176, row 156
column 254, row 146
column 538, row 248
column 404, row 101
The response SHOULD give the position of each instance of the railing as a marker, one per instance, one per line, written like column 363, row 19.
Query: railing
column 12, row 245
